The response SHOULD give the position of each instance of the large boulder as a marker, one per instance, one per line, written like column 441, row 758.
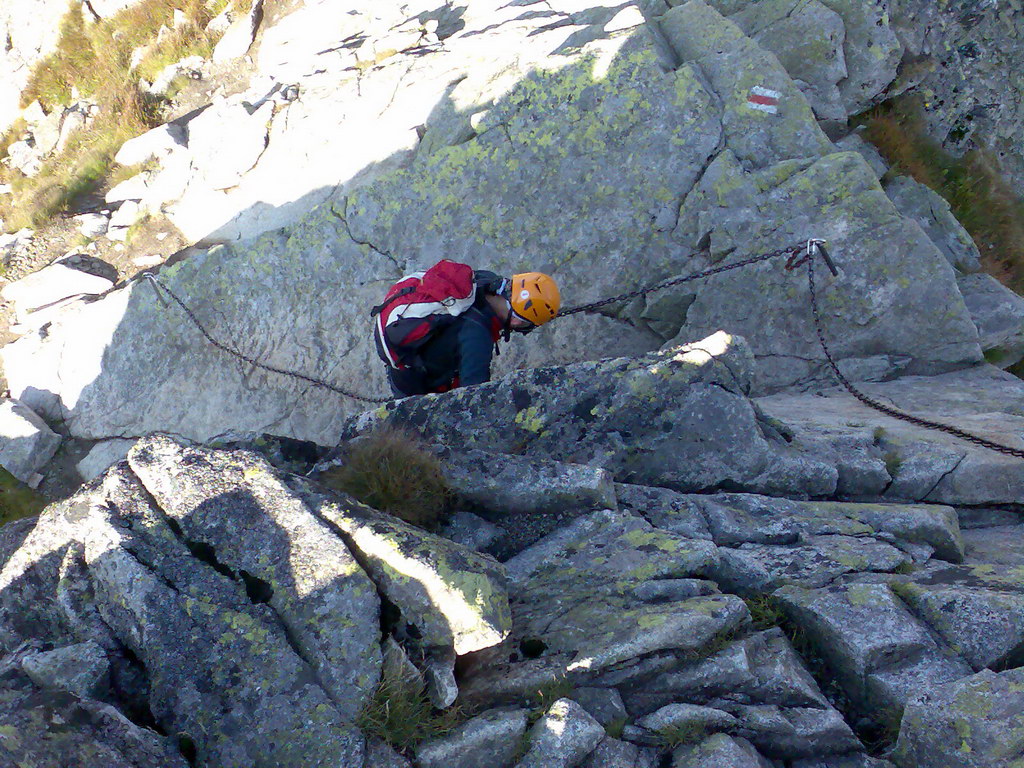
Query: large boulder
column 26, row 442
column 226, row 611
column 967, row 724
column 925, row 206
column 999, row 314
column 887, row 267
column 678, row 418
column 286, row 557
column 607, row 116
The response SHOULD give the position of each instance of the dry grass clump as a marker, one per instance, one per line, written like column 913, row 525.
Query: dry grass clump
column 764, row 612
column 93, row 60
column 986, row 206
column 389, row 470
column 401, row 714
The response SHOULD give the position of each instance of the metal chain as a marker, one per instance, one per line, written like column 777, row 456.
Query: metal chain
column 790, row 251
column 881, row 407
column 158, row 286
column 803, row 250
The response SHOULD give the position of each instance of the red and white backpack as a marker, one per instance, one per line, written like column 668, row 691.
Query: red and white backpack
column 418, row 306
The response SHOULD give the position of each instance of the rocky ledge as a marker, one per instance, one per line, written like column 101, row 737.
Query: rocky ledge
column 649, row 568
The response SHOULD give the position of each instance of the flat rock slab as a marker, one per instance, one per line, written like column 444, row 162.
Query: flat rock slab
column 970, row 723
column 50, row 285
column 613, row 753
column 877, row 649
column 922, row 464
column 766, row 542
column 505, row 485
column 493, row 738
column 574, row 591
column 736, row 519
column 289, row 559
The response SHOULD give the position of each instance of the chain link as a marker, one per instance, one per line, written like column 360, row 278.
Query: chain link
column 799, row 255
column 881, row 407
column 158, row 286
column 790, row 251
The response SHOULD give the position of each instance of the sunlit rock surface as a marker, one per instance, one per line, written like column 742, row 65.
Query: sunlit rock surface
column 470, row 132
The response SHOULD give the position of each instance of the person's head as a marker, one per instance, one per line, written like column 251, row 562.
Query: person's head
column 534, row 299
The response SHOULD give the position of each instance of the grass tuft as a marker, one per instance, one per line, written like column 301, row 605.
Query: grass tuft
column 389, row 470
column 401, row 714
column 986, row 206
column 547, row 695
column 615, row 727
column 679, row 735
column 764, row 612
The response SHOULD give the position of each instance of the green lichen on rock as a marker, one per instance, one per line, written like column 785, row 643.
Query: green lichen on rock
column 453, row 595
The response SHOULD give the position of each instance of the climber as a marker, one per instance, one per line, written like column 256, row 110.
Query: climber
column 436, row 330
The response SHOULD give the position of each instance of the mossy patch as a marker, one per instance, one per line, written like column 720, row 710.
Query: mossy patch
column 17, row 500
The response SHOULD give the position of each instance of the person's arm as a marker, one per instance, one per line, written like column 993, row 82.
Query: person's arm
column 476, row 346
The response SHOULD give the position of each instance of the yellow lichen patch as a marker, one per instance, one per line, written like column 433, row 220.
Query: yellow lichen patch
column 651, row 621
column 863, row 595
column 530, row 419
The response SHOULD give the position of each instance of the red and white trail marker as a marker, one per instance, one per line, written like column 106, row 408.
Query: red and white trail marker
column 764, row 99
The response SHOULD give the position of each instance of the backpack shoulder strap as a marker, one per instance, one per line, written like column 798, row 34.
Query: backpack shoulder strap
column 394, row 297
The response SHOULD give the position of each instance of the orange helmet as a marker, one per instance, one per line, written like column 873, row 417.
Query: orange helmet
column 534, row 297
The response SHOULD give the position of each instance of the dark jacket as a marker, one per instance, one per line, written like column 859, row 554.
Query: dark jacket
column 459, row 355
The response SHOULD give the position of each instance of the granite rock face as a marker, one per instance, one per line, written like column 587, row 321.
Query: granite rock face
column 707, row 557
column 238, row 606
column 973, row 722
column 655, row 420
column 671, row 139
